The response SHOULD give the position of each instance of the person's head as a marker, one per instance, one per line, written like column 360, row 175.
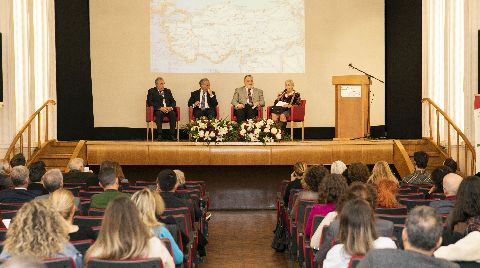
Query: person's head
column 19, row 176
column 166, row 180
column 204, row 84
column 123, row 234
column 452, row 164
column 381, row 170
column 248, row 81
column 18, row 160
column 150, row 204
column 386, row 190
column 62, row 200
column 467, row 204
column 421, row 159
column 357, row 190
column 331, row 188
column 299, row 170
column 37, row 230
column 5, row 167
column 451, row 183
column 118, row 170
column 358, row 172
column 76, row 164
column 313, row 177
column 437, row 177
column 107, row 163
column 289, row 85
column 357, row 227
column 52, row 180
column 180, row 177
column 159, row 83
column 423, row 230
column 338, row 167
column 36, row 171
column 108, row 178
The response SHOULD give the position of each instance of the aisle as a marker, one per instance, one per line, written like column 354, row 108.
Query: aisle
column 242, row 239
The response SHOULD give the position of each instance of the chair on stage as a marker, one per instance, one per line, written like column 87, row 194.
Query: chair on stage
column 150, row 119
column 190, row 113
column 234, row 118
column 297, row 114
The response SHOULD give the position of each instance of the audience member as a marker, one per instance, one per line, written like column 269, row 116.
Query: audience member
column 5, row 170
column 465, row 215
column 119, row 172
column 357, row 234
column 313, row 176
column 76, row 173
column 109, row 182
column 386, row 191
column 357, row 172
column 295, row 179
column 332, row 187
column 451, row 163
column 381, row 171
column 466, row 249
column 36, row 171
column 420, row 175
column 19, row 194
column 23, row 262
column 52, row 180
column 421, row 236
column 180, row 179
column 39, row 231
column 150, row 204
column 124, row 236
column 18, row 160
column 338, row 167
column 451, row 182
column 5, row 166
column 437, row 178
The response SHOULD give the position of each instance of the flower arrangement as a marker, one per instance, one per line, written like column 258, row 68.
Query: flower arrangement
column 261, row 131
column 205, row 130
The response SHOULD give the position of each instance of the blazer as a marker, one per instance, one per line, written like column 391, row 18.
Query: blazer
column 240, row 96
column 211, row 100
column 156, row 100
column 16, row 196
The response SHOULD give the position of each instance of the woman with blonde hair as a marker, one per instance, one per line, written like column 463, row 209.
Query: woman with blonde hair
column 124, row 236
column 382, row 170
column 5, row 180
column 284, row 102
column 180, row 179
column 39, row 231
column 150, row 204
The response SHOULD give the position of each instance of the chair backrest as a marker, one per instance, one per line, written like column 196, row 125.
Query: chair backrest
column 75, row 190
column 8, row 214
column 297, row 113
column 317, row 219
column 181, row 221
column 88, row 220
column 167, row 244
column 82, row 245
column 96, row 230
column 438, row 195
column 95, row 188
column 396, row 219
column 411, row 196
column 306, row 215
column 145, row 183
column 411, row 203
column 82, row 185
column 181, row 211
column 96, row 212
column 283, row 187
column 10, row 206
column 406, row 190
column 354, row 261
column 175, row 232
column 3, row 234
column 392, row 211
column 292, row 197
column 65, row 262
column 88, row 194
column 302, row 205
column 132, row 263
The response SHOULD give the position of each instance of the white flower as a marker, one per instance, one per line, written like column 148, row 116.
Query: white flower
column 243, row 132
column 212, row 134
column 278, row 136
column 274, row 131
column 257, row 131
column 266, row 130
column 201, row 133
column 269, row 122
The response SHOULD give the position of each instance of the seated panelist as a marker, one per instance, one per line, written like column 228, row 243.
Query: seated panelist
column 203, row 101
column 247, row 100
column 162, row 100
column 284, row 102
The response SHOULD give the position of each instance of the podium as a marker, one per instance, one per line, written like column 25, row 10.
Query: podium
column 352, row 110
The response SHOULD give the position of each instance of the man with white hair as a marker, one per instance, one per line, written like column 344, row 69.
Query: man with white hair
column 76, row 173
column 52, row 180
column 19, row 194
column 451, row 182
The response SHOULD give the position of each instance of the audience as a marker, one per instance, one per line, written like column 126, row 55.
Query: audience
column 382, row 171
column 36, row 171
column 386, row 191
column 452, row 164
column 357, row 234
column 18, row 160
column 357, row 172
column 39, row 231
column 109, row 182
column 421, row 236
column 5, row 170
column 295, row 179
column 313, row 176
column 150, row 204
column 437, row 178
column 465, row 215
column 52, row 181
column 451, row 183
column 19, row 194
column 76, row 173
column 338, row 167
column 420, row 175
column 124, row 236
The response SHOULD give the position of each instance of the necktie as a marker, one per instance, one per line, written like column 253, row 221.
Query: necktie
column 202, row 102
column 250, row 101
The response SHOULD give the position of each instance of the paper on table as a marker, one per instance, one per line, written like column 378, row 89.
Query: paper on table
column 281, row 103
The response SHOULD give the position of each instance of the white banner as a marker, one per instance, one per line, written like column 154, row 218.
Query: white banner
column 476, row 115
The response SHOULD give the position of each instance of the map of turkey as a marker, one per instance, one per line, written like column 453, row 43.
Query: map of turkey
column 228, row 36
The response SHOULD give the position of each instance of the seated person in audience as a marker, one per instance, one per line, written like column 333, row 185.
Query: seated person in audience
column 296, row 178
column 465, row 215
column 39, row 231
column 19, row 194
column 420, row 175
column 466, row 249
column 247, row 100
column 62, row 200
column 203, row 101
column 437, row 178
column 76, row 173
column 421, row 236
column 382, row 171
column 36, row 171
column 356, row 190
column 357, row 234
column 18, row 160
column 332, row 187
column 451, row 182
column 5, row 170
column 357, row 172
column 52, row 180
column 386, row 191
column 150, row 204
column 313, row 176
column 284, row 102
column 180, row 180
column 452, row 164
column 109, row 183
column 338, row 167
column 124, row 236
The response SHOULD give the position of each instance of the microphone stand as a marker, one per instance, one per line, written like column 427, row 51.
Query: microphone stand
column 367, row 74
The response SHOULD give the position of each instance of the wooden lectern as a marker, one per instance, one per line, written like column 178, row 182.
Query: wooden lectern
column 352, row 111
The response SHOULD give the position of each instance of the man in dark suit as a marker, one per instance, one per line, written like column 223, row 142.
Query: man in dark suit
column 203, row 101
column 247, row 100
column 163, row 103
column 76, row 173
column 19, row 194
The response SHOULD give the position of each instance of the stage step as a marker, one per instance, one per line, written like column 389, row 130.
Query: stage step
column 436, row 157
column 57, row 154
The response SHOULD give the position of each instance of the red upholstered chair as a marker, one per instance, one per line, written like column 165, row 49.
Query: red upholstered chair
column 297, row 114
column 234, row 118
column 190, row 113
column 150, row 119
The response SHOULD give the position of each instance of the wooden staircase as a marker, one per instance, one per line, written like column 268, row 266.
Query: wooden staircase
column 435, row 154
column 57, row 154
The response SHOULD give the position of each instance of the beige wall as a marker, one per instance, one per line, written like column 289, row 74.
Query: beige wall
column 337, row 33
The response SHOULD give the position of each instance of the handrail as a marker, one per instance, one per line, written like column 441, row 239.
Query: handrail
column 450, row 124
column 28, row 127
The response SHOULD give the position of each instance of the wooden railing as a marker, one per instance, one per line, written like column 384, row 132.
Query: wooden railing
column 18, row 143
column 469, row 159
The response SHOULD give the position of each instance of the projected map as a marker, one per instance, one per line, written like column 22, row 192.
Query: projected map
column 228, row 36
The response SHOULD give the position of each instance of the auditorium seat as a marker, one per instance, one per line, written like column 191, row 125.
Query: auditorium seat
column 354, row 261
column 75, row 190
column 88, row 220
column 297, row 114
column 190, row 113
column 144, row 183
column 88, row 194
column 392, row 211
column 411, row 196
column 82, row 185
column 82, row 245
column 411, row 203
column 234, row 118
column 8, row 214
column 3, row 234
column 438, row 195
column 10, row 206
column 135, row 263
column 96, row 212
column 150, row 119
column 396, row 219
column 66, row 262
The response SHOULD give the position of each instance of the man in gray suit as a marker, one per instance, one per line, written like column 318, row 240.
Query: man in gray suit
column 247, row 100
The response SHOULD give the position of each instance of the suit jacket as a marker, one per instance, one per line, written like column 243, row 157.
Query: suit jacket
column 16, row 196
column 37, row 188
column 402, row 258
column 173, row 201
column 156, row 100
column 75, row 176
column 211, row 100
column 240, row 96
